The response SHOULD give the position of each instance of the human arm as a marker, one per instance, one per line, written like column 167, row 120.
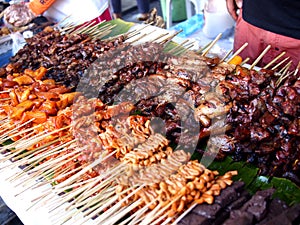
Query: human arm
column 22, row 13
column 233, row 6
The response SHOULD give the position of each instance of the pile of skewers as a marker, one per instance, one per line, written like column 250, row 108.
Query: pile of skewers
column 92, row 141
column 50, row 131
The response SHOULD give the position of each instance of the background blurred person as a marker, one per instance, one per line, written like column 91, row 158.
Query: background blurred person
column 264, row 22
column 143, row 8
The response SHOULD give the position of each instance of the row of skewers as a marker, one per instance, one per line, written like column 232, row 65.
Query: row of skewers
column 85, row 142
column 51, row 148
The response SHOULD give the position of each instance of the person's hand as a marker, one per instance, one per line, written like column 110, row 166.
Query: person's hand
column 233, row 6
column 18, row 14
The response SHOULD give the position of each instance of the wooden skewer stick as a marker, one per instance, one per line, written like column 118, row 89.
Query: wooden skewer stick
column 42, row 151
column 95, row 203
column 41, row 174
column 68, row 27
column 212, row 44
column 132, row 33
column 227, row 54
column 63, row 20
column 184, row 213
column 34, row 140
column 65, row 219
column 121, row 213
column 283, row 76
column 112, row 211
column 30, row 154
column 4, row 120
column 100, row 209
column 83, row 27
column 65, row 198
column 104, row 33
column 18, row 133
column 286, row 66
column 158, row 37
column 101, row 176
column 139, row 38
column 11, row 151
column 203, row 48
column 178, row 46
column 138, row 215
column 94, row 187
column 17, row 128
column 158, row 220
column 168, row 39
column 153, row 214
column 185, row 49
column 34, row 185
column 297, row 69
column 44, row 170
column 87, row 168
column 37, row 154
column 274, row 60
column 96, row 30
column 280, row 63
column 4, row 91
column 103, row 193
column 28, row 168
column 238, row 52
column 245, row 61
column 260, row 57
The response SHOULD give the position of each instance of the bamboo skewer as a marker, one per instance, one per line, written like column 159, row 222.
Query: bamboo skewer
column 88, row 167
column 158, row 37
column 41, row 174
column 178, row 46
column 260, row 57
column 211, row 44
column 28, row 168
column 39, row 153
column 134, row 218
column 167, row 40
column 297, row 69
column 185, row 49
column 283, row 75
column 62, row 21
column 184, row 213
column 227, row 54
column 86, row 200
column 83, row 27
column 245, row 61
column 115, row 207
column 237, row 52
column 280, row 63
column 121, row 213
column 17, row 133
column 132, row 33
column 139, row 38
column 19, row 126
column 66, row 198
column 274, row 60
column 283, row 69
column 102, row 34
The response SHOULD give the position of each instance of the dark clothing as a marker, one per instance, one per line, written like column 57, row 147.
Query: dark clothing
column 143, row 6
column 278, row 16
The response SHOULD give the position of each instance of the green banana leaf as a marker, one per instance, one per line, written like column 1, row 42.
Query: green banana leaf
column 286, row 190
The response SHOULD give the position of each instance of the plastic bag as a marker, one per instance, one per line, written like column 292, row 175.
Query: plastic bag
column 18, row 42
